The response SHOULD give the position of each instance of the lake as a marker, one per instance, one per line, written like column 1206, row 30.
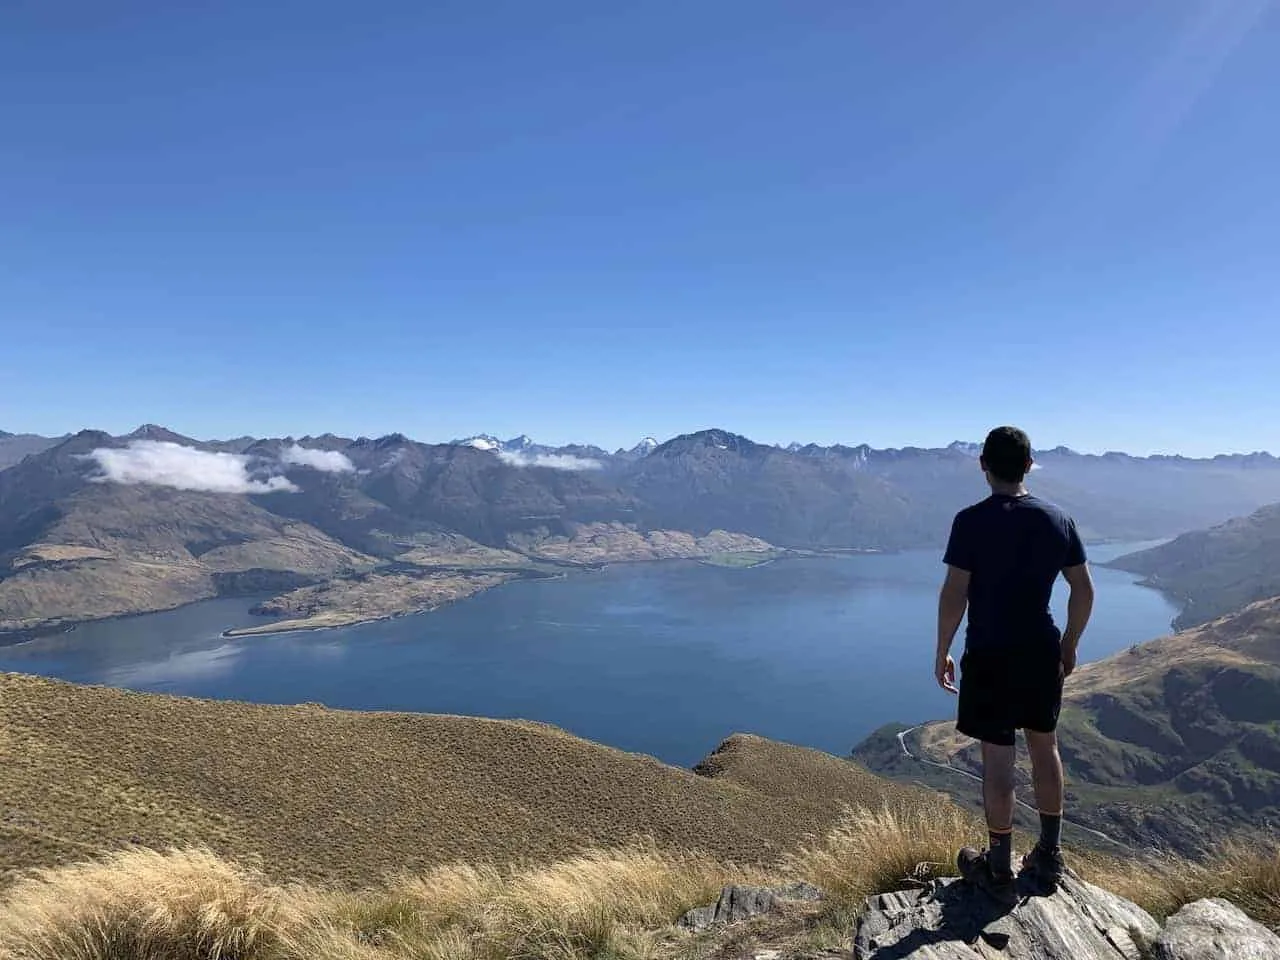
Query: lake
column 662, row 658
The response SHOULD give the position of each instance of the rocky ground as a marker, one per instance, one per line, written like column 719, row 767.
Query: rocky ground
column 954, row 920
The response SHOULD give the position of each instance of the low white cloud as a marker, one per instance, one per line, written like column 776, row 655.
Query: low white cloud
column 327, row 461
column 166, row 464
column 553, row 461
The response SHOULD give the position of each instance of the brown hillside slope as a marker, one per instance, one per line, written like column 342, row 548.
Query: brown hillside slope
column 1215, row 571
column 327, row 794
column 111, row 549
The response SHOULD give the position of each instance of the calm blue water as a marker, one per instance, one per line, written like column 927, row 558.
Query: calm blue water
column 666, row 659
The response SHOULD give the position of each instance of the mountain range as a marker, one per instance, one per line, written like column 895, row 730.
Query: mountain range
column 95, row 525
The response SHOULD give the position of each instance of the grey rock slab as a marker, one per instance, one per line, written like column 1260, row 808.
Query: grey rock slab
column 1215, row 930
column 953, row 920
column 741, row 902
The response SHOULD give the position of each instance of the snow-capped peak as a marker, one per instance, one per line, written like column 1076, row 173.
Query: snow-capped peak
column 491, row 444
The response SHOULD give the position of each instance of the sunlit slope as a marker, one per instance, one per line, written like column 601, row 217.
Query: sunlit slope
column 318, row 793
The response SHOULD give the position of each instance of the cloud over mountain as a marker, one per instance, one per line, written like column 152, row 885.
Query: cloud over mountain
column 166, row 464
column 552, row 461
column 327, row 461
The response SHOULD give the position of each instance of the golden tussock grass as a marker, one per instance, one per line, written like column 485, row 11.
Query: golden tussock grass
column 620, row 903
column 598, row 904
column 191, row 905
column 143, row 904
column 1247, row 874
column 874, row 851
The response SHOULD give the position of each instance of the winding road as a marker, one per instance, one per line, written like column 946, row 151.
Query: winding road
column 906, row 752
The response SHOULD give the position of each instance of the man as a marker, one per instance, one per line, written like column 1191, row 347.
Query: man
column 1002, row 560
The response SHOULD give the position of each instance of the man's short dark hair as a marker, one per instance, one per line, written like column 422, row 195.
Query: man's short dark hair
column 1007, row 453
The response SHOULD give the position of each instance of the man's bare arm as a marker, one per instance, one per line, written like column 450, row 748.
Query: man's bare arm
column 952, row 603
column 1079, row 609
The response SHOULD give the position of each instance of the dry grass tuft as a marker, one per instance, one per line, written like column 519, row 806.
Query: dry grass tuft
column 190, row 905
column 877, row 851
column 144, row 905
column 1246, row 874
column 601, row 903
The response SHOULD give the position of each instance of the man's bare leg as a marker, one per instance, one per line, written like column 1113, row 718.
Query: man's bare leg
column 1046, row 773
column 998, row 801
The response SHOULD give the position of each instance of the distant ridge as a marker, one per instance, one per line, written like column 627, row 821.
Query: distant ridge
column 154, row 431
column 97, row 525
column 16, row 446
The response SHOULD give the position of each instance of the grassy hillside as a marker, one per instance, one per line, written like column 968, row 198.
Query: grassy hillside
column 327, row 794
column 1175, row 742
column 451, row 837
column 1215, row 571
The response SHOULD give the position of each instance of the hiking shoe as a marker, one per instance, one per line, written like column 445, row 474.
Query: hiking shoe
column 1047, row 866
column 975, row 867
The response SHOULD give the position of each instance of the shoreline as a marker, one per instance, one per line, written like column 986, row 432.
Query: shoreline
column 273, row 630
column 26, row 635
column 535, row 576
column 526, row 575
column 280, row 628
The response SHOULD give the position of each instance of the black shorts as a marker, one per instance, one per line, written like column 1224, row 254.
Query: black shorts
column 1003, row 692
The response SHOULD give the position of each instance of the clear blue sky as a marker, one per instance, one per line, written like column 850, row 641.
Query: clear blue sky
column 891, row 221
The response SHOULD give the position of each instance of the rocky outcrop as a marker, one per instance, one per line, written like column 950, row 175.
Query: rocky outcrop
column 741, row 902
column 1215, row 930
column 953, row 920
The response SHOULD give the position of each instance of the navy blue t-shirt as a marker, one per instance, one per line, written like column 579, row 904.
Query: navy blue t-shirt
column 1014, row 548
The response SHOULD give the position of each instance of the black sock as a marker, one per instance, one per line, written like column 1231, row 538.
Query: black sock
column 1050, row 831
column 1001, row 855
